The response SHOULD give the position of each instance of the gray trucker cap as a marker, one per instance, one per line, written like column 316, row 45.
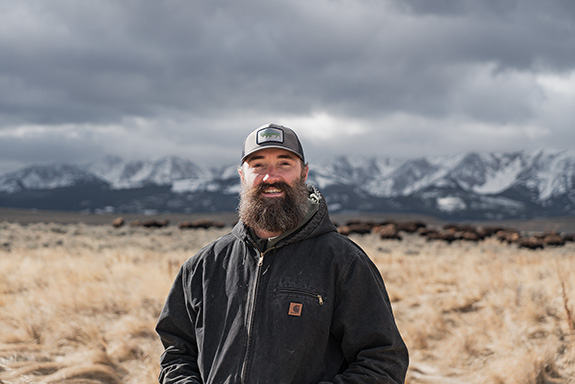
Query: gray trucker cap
column 272, row 136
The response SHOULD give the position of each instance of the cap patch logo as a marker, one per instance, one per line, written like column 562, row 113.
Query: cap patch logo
column 270, row 134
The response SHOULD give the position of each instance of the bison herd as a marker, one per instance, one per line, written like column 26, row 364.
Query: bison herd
column 455, row 232
column 155, row 223
column 394, row 230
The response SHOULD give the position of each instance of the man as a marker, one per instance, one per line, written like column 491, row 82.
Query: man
column 283, row 298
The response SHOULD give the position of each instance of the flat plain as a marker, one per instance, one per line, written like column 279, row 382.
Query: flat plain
column 79, row 300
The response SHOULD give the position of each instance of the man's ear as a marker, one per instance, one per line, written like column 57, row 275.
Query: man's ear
column 241, row 173
column 305, row 172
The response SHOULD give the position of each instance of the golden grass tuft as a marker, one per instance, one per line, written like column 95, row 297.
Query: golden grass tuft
column 567, row 307
column 78, row 305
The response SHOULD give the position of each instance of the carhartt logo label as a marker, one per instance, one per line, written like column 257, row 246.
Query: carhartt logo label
column 270, row 134
column 295, row 309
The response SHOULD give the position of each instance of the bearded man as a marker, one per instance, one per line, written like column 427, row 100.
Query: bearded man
column 283, row 298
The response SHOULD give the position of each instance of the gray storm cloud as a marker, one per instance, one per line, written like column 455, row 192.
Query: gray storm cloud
column 84, row 80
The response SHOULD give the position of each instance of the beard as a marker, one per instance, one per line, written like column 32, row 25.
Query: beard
column 278, row 214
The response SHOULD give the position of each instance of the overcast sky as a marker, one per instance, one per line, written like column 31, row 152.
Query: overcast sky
column 84, row 79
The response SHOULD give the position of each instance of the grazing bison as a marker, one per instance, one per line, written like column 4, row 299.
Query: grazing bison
column 343, row 230
column 367, row 226
column 466, row 232
column 118, row 222
column 460, row 228
column 530, row 242
column 410, row 226
column 201, row 223
column 508, row 235
column 425, row 231
column 447, row 236
column 489, row 231
column 152, row 223
column 471, row 236
column 553, row 239
column 359, row 228
column 387, row 232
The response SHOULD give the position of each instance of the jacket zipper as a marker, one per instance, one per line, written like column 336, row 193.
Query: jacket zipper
column 302, row 292
column 251, row 315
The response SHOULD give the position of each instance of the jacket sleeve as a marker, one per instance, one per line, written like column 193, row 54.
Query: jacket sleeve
column 179, row 362
column 363, row 321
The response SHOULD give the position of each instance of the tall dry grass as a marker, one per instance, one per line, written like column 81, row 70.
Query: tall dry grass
column 78, row 304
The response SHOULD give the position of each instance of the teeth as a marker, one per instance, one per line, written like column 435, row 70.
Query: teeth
column 273, row 190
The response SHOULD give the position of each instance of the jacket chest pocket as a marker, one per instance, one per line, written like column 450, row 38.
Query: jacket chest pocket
column 298, row 302
column 297, row 292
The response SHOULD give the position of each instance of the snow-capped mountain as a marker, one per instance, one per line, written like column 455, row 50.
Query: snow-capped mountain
column 544, row 172
column 492, row 185
column 38, row 177
column 134, row 174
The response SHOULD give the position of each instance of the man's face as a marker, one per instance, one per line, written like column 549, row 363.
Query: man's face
column 272, row 165
column 274, row 196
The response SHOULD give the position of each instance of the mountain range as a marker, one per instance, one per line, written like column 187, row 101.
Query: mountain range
column 522, row 184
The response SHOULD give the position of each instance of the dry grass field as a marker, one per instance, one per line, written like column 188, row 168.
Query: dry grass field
column 78, row 304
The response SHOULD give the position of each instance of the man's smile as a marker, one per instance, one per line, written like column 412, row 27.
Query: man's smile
column 272, row 192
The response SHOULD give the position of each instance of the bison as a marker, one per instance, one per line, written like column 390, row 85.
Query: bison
column 387, row 232
column 201, row 223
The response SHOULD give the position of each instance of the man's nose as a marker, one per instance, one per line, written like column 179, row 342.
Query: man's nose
column 271, row 175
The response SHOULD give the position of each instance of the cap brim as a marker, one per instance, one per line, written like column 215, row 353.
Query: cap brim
column 270, row 146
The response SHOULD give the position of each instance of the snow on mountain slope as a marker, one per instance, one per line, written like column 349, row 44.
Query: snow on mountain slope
column 551, row 173
column 411, row 176
column 489, row 173
column 348, row 170
column 48, row 176
column 546, row 172
column 517, row 182
column 134, row 174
